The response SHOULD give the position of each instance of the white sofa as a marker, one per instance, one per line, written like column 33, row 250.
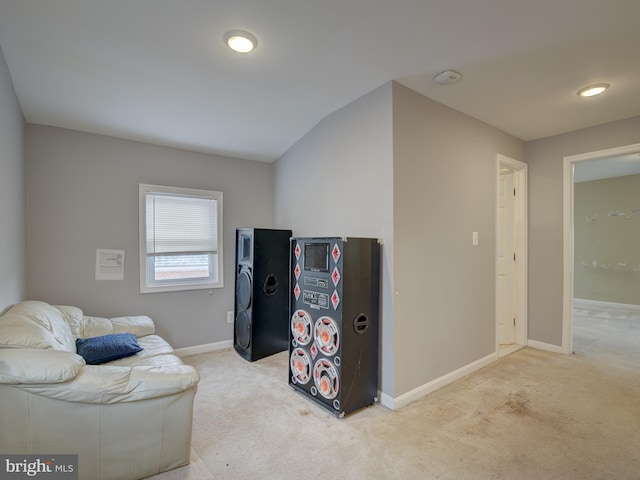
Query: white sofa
column 126, row 419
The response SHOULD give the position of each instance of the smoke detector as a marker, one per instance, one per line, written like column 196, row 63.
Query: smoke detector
column 448, row 77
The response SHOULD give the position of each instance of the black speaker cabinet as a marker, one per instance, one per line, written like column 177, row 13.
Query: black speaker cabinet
column 262, row 292
column 333, row 341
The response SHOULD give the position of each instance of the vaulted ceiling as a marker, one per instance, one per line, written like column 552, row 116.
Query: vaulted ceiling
column 158, row 70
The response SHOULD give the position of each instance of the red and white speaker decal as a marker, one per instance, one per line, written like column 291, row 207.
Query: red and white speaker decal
column 335, row 276
column 297, row 271
column 335, row 253
column 297, row 251
column 325, row 376
column 335, row 299
column 300, row 366
column 301, row 327
column 327, row 335
column 296, row 291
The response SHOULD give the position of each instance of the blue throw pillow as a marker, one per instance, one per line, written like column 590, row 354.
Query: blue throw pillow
column 97, row 350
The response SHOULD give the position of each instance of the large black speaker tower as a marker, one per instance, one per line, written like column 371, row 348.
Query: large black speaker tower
column 262, row 292
column 333, row 347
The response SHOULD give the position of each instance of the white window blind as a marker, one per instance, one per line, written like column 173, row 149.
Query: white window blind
column 178, row 224
column 180, row 239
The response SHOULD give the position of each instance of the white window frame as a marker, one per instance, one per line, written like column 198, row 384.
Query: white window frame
column 176, row 285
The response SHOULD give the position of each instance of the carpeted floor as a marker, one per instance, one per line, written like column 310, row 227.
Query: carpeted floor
column 530, row 415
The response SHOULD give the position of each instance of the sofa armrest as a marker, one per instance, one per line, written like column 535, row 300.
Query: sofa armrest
column 105, row 384
column 26, row 366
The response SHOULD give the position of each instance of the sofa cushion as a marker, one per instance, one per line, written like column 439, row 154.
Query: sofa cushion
column 105, row 348
column 17, row 331
column 156, row 351
column 140, row 325
column 50, row 319
column 96, row 327
column 74, row 318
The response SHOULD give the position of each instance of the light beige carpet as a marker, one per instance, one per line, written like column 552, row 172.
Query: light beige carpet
column 530, row 415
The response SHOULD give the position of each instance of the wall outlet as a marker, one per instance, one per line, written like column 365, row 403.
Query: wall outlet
column 229, row 317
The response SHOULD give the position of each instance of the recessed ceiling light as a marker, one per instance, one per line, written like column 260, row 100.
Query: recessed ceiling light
column 240, row 41
column 593, row 90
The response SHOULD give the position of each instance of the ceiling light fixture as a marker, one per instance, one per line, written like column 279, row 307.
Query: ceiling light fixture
column 593, row 90
column 240, row 41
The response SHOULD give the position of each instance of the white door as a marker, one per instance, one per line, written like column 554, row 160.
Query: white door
column 506, row 287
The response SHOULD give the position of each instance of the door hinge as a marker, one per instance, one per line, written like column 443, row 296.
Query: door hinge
column 514, row 321
column 514, row 192
column 514, row 256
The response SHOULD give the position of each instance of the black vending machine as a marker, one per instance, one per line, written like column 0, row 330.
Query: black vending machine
column 333, row 338
column 262, row 292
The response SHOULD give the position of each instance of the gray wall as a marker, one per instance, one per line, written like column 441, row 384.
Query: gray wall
column 338, row 181
column 83, row 194
column 422, row 177
column 545, row 158
column 607, row 240
column 12, row 194
column 444, row 189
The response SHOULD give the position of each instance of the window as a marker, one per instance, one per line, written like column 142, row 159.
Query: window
column 180, row 239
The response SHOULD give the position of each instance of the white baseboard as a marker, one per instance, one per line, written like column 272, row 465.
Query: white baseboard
column 207, row 347
column 544, row 346
column 417, row 393
column 580, row 302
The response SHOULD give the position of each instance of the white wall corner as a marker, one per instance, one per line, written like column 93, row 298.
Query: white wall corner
column 386, row 400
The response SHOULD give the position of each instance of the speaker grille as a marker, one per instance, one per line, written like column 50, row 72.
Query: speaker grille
column 301, row 327
column 326, row 379
column 243, row 289
column 300, row 366
column 243, row 329
column 327, row 335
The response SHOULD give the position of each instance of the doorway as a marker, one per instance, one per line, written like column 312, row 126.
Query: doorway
column 511, row 255
column 570, row 163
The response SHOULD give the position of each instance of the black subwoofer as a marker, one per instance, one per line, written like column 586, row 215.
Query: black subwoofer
column 261, row 326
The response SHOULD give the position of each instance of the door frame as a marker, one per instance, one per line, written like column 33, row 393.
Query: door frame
column 568, row 233
column 520, row 180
